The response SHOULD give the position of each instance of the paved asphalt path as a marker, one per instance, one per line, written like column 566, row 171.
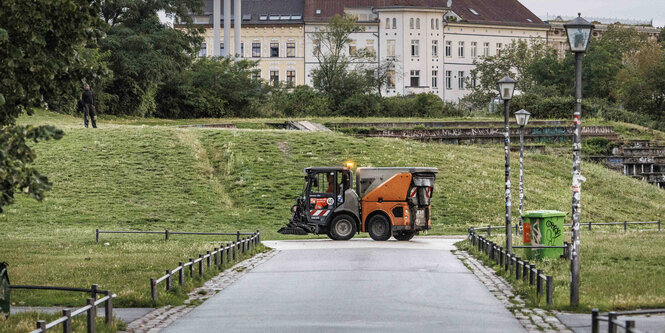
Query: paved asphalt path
column 355, row 286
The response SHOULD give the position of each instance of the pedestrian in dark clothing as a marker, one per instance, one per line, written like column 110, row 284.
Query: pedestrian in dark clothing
column 88, row 100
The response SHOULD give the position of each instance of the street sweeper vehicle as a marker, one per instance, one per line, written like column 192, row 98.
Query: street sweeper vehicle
column 386, row 202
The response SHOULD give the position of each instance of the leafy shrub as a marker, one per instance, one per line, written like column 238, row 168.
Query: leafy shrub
column 302, row 101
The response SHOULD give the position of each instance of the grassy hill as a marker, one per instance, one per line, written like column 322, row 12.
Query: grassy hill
column 129, row 175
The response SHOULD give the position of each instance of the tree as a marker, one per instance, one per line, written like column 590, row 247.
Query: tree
column 38, row 50
column 642, row 81
column 661, row 37
column 339, row 74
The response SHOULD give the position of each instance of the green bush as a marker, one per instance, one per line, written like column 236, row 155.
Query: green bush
column 419, row 105
column 302, row 101
column 361, row 105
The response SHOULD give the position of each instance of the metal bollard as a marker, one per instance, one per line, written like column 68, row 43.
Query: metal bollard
column 518, row 269
column 594, row 321
column 611, row 326
column 92, row 315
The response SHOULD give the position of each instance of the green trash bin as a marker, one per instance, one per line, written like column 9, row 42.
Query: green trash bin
column 543, row 227
column 4, row 289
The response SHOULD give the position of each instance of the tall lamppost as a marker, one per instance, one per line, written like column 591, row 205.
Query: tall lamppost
column 506, row 87
column 579, row 32
column 522, row 117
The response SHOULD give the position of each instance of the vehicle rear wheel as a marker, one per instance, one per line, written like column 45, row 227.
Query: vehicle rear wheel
column 379, row 228
column 404, row 235
column 342, row 227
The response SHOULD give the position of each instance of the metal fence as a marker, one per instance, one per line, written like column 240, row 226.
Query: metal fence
column 168, row 233
column 522, row 269
column 228, row 250
column 67, row 314
column 488, row 229
column 613, row 323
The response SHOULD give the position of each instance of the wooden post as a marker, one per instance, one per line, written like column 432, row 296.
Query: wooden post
column 235, row 246
column 108, row 308
column 525, row 271
column 97, row 235
column 258, row 232
column 625, row 226
column 658, row 225
column 67, row 324
column 550, row 289
column 611, row 326
column 181, row 274
column 41, row 325
column 500, row 257
column 228, row 252
column 518, row 269
column 93, row 291
column 630, row 326
column 92, row 315
column 242, row 245
column 594, row 321
column 168, row 280
column 539, row 283
column 166, row 234
column 221, row 256
column 238, row 236
column 589, row 226
column 153, row 289
column 532, row 274
column 215, row 250
column 489, row 230
column 208, row 259
column 201, row 265
column 191, row 267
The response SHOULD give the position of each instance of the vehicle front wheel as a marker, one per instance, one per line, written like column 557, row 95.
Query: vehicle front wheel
column 342, row 227
column 404, row 235
column 379, row 228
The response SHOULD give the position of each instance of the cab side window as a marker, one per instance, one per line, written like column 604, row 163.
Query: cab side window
column 324, row 183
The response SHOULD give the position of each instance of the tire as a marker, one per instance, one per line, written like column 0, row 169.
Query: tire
column 342, row 227
column 330, row 235
column 379, row 228
column 404, row 235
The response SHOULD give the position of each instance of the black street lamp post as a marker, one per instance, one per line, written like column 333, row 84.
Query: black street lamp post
column 506, row 87
column 522, row 117
column 579, row 32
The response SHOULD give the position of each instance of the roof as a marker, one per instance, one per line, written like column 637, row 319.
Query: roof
column 264, row 12
column 499, row 12
column 330, row 8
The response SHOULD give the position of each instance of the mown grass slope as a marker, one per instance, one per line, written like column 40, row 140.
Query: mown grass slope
column 135, row 177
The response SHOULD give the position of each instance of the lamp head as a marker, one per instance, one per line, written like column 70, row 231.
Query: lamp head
column 579, row 33
column 522, row 117
column 506, row 87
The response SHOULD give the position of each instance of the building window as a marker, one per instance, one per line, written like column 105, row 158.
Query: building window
column 369, row 46
column 242, row 50
column 256, row 50
column 486, row 50
column 394, row 23
column 291, row 50
column 274, row 50
column 449, row 80
column 391, row 80
column 290, row 78
column 460, row 50
column 432, row 24
column 388, row 23
column 473, row 83
column 411, row 25
column 256, row 75
column 222, row 50
column 449, row 46
column 435, row 49
column 498, row 49
column 418, row 23
column 352, row 48
column 435, row 79
column 415, row 78
column 274, row 78
column 474, row 49
column 460, row 80
column 390, row 45
column 437, row 24
column 204, row 50
column 415, row 48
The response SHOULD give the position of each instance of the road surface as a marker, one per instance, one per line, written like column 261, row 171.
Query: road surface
column 355, row 286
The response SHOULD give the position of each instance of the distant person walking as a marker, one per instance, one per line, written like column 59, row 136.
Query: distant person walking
column 88, row 100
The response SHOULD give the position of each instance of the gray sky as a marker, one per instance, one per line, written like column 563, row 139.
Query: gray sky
column 625, row 9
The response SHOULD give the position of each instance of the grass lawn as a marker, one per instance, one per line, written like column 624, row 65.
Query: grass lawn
column 618, row 271
column 130, row 176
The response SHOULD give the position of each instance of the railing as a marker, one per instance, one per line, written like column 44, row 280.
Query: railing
column 168, row 233
column 510, row 263
column 67, row 314
column 613, row 323
column 625, row 225
column 241, row 245
column 567, row 248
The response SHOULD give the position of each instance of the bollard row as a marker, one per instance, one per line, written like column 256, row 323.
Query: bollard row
column 218, row 256
column 521, row 269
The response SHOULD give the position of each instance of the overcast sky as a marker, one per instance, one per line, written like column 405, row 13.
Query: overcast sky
column 625, row 9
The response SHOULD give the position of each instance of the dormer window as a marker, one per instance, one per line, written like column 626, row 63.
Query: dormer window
column 318, row 12
column 473, row 11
